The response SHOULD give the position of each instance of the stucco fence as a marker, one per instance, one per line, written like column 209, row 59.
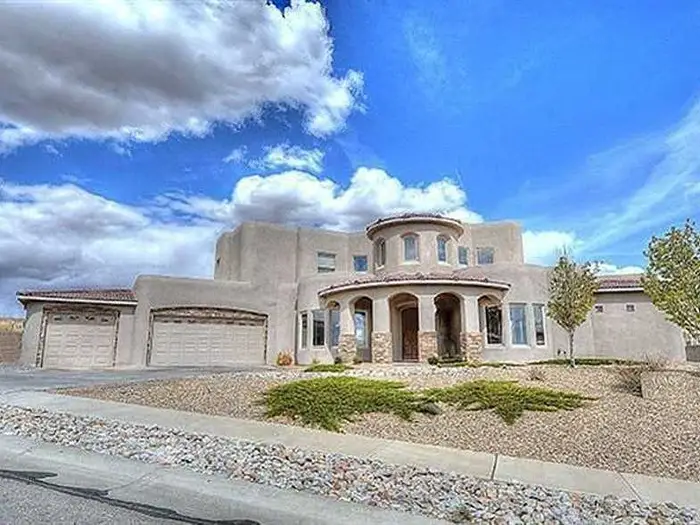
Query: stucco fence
column 10, row 343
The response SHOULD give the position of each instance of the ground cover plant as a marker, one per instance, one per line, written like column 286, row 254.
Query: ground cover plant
column 334, row 367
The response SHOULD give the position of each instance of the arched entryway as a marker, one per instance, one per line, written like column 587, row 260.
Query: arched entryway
column 362, row 319
column 404, row 326
column 448, row 324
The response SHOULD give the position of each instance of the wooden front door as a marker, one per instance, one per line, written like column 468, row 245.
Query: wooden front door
column 409, row 334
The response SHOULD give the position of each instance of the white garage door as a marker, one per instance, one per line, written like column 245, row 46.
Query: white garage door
column 80, row 340
column 207, row 342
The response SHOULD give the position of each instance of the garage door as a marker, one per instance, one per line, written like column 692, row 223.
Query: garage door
column 80, row 340
column 198, row 341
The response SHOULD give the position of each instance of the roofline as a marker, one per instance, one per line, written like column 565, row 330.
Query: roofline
column 45, row 299
column 379, row 284
column 379, row 224
column 612, row 290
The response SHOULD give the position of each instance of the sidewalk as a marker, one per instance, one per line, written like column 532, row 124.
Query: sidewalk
column 477, row 464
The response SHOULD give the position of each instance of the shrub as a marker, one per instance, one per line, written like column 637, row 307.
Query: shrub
column 335, row 367
column 338, row 360
column 535, row 374
column 433, row 360
column 507, row 398
column 357, row 360
column 285, row 359
column 327, row 402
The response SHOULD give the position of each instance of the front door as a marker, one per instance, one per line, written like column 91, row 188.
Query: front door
column 409, row 334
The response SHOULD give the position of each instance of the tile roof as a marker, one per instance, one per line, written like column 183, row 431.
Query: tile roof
column 620, row 282
column 412, row 215
column 104, row 294
column 457, row 275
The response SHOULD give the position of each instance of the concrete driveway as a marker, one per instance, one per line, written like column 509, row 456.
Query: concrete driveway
column 18, row 379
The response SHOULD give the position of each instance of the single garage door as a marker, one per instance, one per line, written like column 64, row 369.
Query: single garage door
column 80, row 340
column 201, row 341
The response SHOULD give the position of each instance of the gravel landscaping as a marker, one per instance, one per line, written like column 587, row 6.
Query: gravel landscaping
column 418, row 490
column 619, row 431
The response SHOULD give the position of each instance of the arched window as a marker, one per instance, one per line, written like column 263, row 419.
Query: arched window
column 442, row 249
column 410, row 247
column 379, row 253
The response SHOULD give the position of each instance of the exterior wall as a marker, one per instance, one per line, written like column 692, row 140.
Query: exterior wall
column 276, row 301
column 10, row 346
column 505, row 237
column 31, row 333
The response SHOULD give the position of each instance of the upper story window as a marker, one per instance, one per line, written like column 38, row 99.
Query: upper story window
column 379, row 253
column 484, row 255
column 442, row 249
column 325, row 262
column 410, row 247
column 463, row 255
column 359, row 263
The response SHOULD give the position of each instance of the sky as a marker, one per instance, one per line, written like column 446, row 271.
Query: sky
column 133, row 133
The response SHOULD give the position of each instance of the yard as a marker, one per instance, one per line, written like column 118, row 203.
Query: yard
column 617, row 430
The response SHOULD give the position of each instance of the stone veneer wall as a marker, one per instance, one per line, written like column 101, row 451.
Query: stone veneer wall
column 471, row 345
column 381, row 347
column 427, row 345
column 347, row 347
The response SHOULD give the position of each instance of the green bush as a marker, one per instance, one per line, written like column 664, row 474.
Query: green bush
column 327, row 402
column 507, row 398
column 433, row 360
column 335, row 367
column 338, row 360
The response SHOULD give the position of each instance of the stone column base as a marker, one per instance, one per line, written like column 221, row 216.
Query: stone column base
column 347, row 347
column 381, row 347
column 471, row 345
column 427, row 345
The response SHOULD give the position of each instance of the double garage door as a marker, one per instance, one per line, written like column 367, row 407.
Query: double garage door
column 80, row 340
column 227, row 339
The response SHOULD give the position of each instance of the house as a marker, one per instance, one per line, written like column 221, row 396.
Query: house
column 405, row 288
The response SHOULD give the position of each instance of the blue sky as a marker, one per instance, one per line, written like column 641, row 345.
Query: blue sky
column 131, row 135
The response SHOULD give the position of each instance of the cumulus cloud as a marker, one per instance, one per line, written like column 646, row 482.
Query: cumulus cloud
column 543, row 247
column 612, row 269
column 294, row 157
column 63, row 235
column 139, row 71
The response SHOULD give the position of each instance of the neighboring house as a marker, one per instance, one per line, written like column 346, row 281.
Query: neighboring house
column 407, row 287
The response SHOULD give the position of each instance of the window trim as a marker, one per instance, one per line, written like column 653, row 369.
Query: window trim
column 380, row 249
column 446, row 240
column 354, row 267
column 479, row 250
column 416, row 241
column 541, row 307
column 303, row 341
column 326, row 269
column 526, row 331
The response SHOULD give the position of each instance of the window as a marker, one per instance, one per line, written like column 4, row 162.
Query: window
column 463, row 255
column 629, row 307
column 334, row 327
column 518, row 324
column 484, row 255
column 540, row 337
column 319, row 328
column 359, row 263
column 361, row 329
column 325, row 262
column 410, row 247
column 598, row 308
column 379, row 253
column 494, row 325
column 304, row 329
column 442, row 249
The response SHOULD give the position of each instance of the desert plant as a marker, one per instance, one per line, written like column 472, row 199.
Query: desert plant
column 357, row 360
column 338, row 360
column 572, row 288
column 335, row 367
column 535, row 374
column 672, row 276
column 285, row 359
column 433, row 360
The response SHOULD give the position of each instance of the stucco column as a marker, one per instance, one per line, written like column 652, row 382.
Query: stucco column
column 471, row 340
column 347, row 345
column 427, row 336
column 381, row 332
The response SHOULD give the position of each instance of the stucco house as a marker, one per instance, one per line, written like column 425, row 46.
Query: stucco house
column 403, row 289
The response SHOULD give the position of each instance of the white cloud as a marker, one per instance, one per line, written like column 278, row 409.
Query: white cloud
column 543, row 247
column 612, row 269
column 63, row 235
column 237, row 155
column 138, row 71
column 293, row 157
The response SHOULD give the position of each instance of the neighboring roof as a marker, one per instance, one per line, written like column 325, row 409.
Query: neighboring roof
column 104, row 295
column 620, row 283
column 458, row 276
column 412, row 217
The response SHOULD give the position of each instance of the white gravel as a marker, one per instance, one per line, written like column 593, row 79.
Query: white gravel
column 411, row 489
